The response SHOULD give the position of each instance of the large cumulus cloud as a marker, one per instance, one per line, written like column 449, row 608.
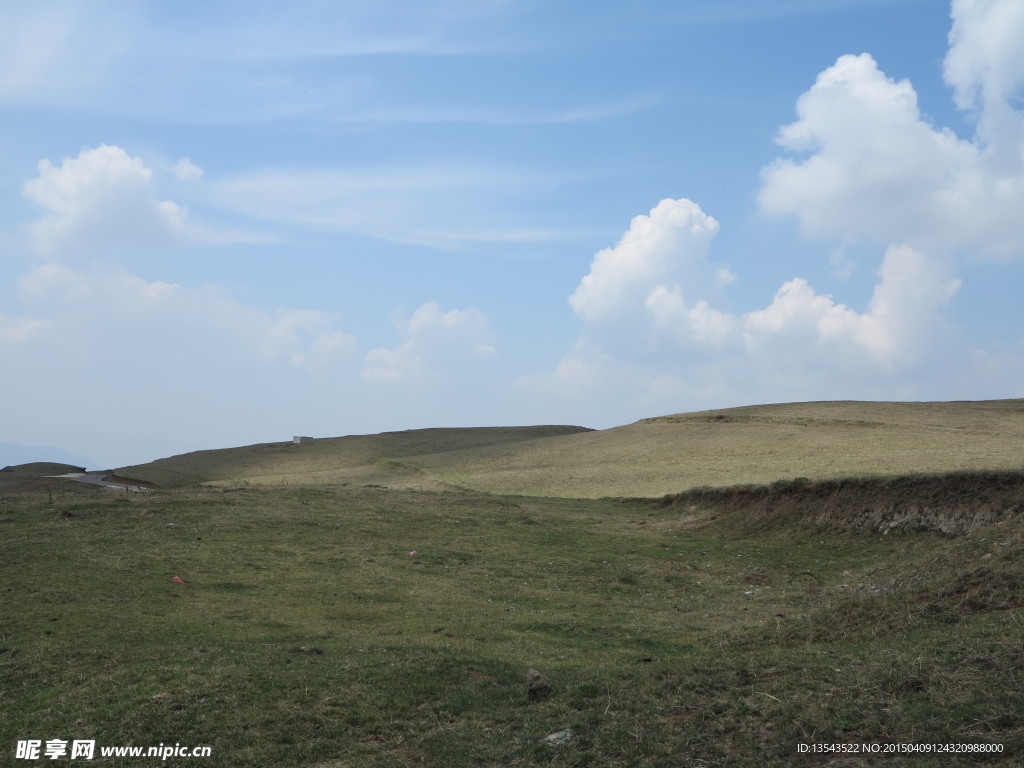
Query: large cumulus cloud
column 862, row 165
column 654, row 292
column 100, row 200
column 867, row 164
column 649, row 289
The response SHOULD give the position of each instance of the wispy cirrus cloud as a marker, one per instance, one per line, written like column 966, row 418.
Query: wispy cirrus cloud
column 307, row 29
column 20, row 329
column 226, row 62
column 494, row 115
column 437, row 205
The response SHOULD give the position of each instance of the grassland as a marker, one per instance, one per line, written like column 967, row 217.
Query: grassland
column 753, row 444
column 675, row 634
column 783, row 574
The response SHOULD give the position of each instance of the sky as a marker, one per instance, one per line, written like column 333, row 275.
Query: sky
column 224, row 223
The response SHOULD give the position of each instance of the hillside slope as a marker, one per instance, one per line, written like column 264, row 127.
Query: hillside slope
column 749, row 445
column 366, row 457
column 35, row 475
column 652, row 457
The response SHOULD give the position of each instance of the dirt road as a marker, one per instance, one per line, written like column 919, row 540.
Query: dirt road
column 98, row 478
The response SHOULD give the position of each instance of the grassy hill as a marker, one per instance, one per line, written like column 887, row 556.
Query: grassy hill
column 656, row 456
column 279, row 605
column 366, row 457
column 24, row 477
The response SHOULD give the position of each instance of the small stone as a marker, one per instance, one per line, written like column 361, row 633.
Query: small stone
column 558, row 739
column 537, row 686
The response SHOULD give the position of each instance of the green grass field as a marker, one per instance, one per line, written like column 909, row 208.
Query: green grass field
column 307, row 634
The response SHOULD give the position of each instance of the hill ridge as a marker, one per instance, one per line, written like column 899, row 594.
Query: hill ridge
column 751, row 444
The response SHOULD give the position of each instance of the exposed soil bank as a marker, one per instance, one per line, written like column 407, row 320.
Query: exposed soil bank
column 952, row 503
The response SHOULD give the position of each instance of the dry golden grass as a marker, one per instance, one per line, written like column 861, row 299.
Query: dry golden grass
column 752, row 444
column 653, row 457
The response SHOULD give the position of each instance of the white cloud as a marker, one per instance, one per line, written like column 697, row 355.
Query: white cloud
column 102, row 199
column 662, row 247
column 437, row 344
column 108, row 308
column 698, row 323
column 105, row 201
column 804, row 328
column 871, row 166
column 876, row 169
column 652, row 330
column 578, row 371
column 654, row 293
column 653, row 282
column 985, row 67
column 20, row 329
column 867, row 166
column 160, row 368
column 168, row 359
column 186, row 170
column 904, row 309
column 592, row 387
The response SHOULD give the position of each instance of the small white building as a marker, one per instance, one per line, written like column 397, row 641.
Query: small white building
column 299, row 439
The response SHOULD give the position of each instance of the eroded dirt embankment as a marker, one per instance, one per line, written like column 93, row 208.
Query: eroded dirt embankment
column 952, row 503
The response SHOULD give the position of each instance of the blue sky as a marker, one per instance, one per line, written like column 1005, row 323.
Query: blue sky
column 225, row 223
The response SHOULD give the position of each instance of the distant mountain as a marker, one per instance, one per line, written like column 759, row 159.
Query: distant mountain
column 12, row 454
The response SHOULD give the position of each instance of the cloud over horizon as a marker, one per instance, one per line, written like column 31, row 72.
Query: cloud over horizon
column 862, row 164
column 655, row 289
column 85, row 309
column 236, row 240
